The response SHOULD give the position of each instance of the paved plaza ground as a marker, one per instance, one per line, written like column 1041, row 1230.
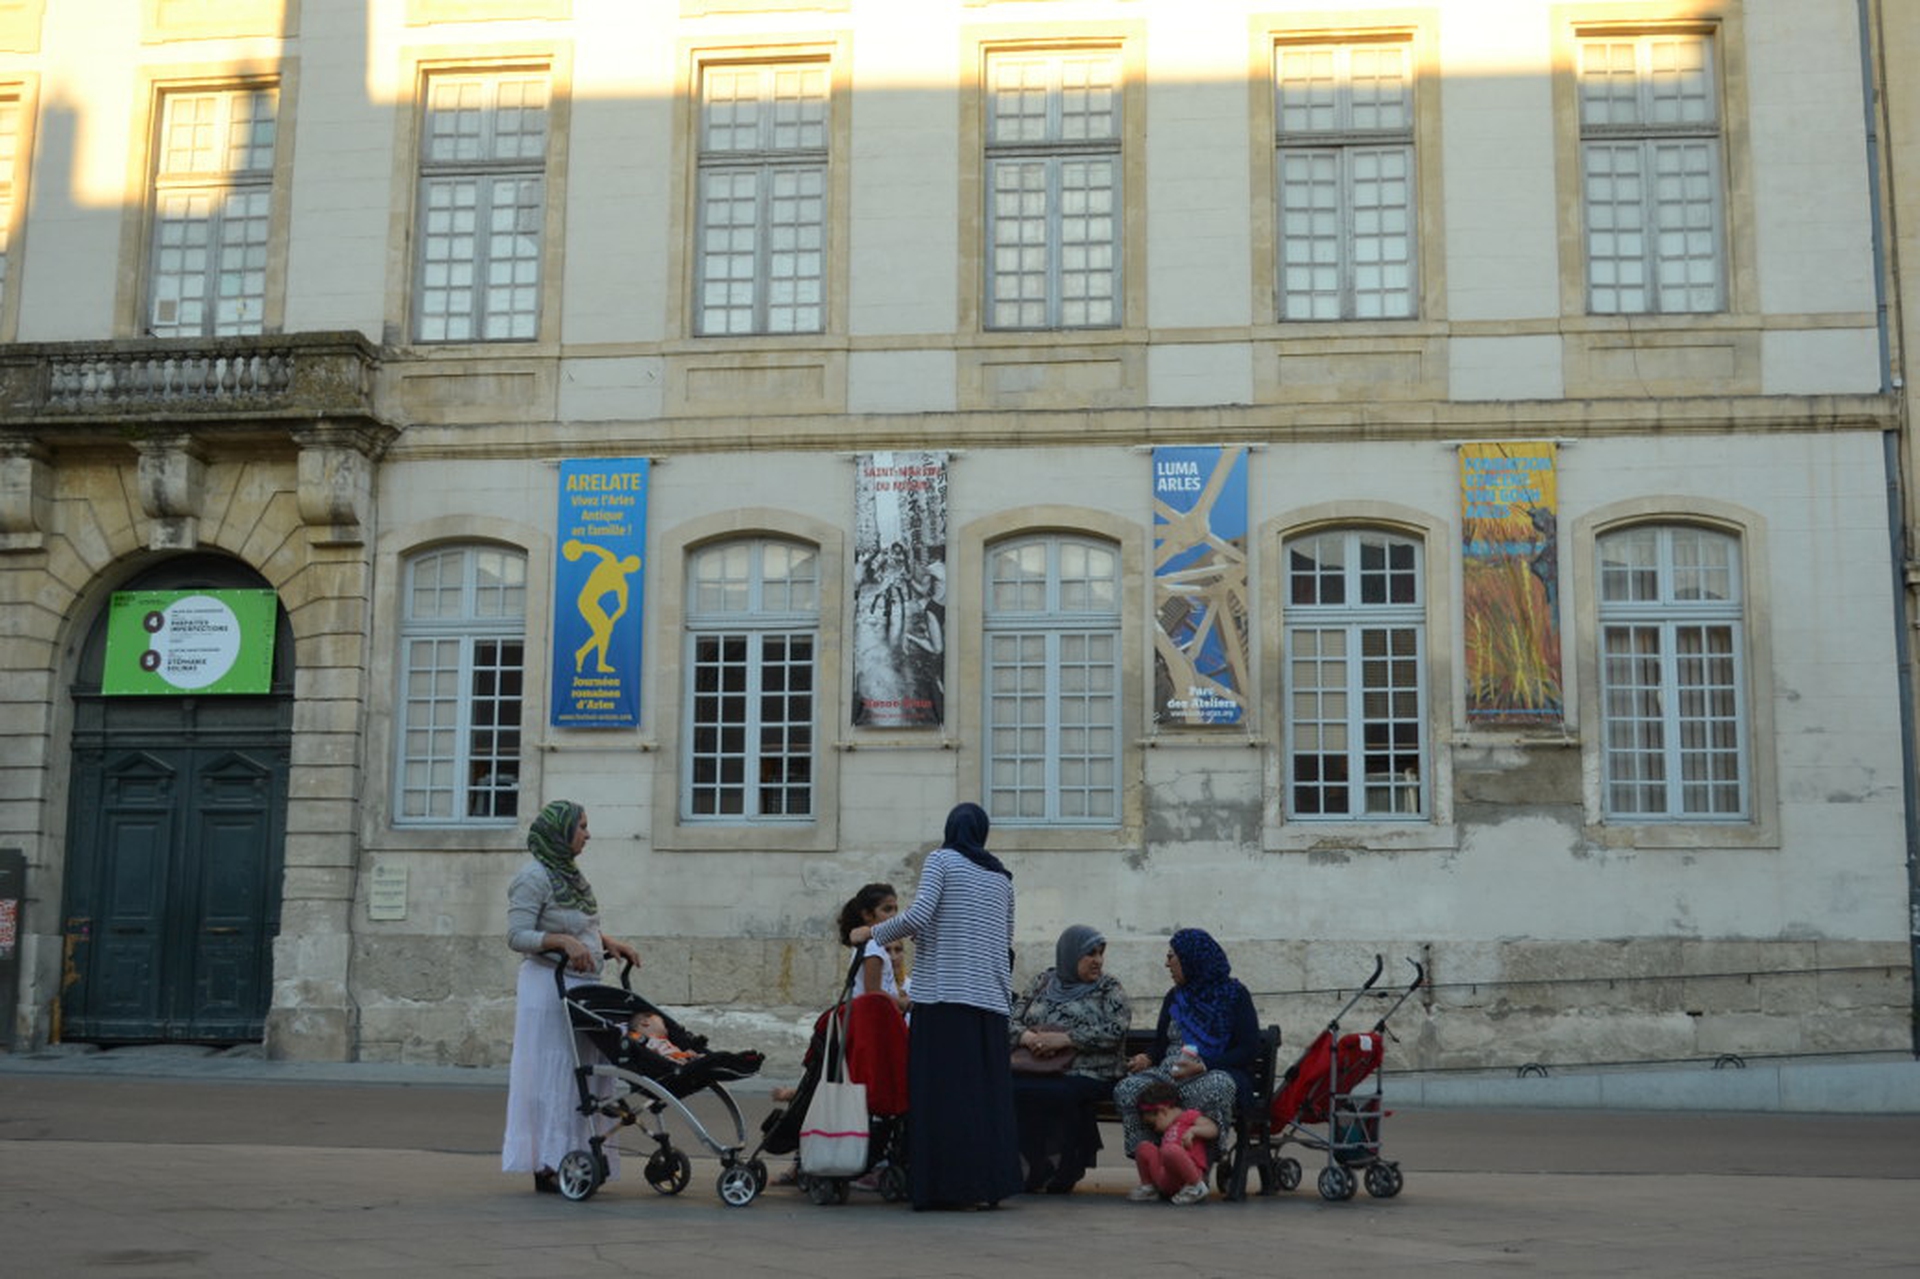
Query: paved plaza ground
column 285, row 1174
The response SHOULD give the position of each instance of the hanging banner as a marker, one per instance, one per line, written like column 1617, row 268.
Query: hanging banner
column 1200, row 671
column 900, row 589
column 600, row 536
column 1509, row 497
column 199, row 642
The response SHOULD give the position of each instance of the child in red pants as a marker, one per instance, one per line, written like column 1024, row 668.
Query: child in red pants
column 1175, row 1166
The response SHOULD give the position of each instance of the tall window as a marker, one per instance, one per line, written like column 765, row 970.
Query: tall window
column 9, row 163
column 763, row 199
column 1345, row 166
column 462, row 663
column 1650, row 156
column 482, row 208
column 212, row 194
column 1672, row 683
column 1053, row 190
column 1053, row 682
column 1356, row 676
column 753, row 620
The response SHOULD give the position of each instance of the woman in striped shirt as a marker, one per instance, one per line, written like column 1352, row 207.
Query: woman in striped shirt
column 960, row 1125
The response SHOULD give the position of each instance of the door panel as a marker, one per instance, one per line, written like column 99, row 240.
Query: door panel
column 228, row 945
column 129, row 934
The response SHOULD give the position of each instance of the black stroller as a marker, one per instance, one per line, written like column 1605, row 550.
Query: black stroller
column 653, row 1084
column 886, row 1121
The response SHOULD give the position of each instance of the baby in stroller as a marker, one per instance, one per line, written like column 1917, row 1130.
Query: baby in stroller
column 650, row 1042
column 657, row 1064
column 660, row 1048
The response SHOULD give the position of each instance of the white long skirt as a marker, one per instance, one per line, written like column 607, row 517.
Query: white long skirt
column 543, row 1103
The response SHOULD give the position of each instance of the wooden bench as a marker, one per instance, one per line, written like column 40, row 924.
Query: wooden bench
column 1252, row 1146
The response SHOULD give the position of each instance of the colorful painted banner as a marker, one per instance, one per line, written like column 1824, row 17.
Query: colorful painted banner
column 198, row 642
column 1511, row 559
column 601, row 537
column 899, row 590
column 1200, row 668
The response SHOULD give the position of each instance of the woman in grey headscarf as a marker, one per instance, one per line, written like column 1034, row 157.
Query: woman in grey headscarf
column 1075, row 1006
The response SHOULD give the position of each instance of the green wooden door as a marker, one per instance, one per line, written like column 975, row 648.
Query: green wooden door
column 170, row 932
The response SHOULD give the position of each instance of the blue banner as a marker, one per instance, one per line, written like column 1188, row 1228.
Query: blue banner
column 1200, row 649
column 600, row 537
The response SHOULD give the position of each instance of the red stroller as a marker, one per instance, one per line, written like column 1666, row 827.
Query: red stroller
column 1322, row 1088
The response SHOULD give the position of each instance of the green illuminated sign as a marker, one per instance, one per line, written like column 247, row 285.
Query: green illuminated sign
column 176, row 642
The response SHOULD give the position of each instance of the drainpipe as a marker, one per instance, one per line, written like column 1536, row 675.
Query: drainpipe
column 1896, row 518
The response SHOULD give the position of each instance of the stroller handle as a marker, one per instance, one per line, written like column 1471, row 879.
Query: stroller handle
column 560, row 970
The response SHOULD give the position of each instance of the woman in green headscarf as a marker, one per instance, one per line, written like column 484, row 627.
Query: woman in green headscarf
column 550, row 908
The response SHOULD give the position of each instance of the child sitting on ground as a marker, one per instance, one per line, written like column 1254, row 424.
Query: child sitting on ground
column 1175, row 1166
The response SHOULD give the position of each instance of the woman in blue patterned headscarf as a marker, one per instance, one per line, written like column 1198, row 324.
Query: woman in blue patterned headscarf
column 1205, row 1044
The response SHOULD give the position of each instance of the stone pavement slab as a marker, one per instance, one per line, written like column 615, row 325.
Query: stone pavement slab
column 177, row 1177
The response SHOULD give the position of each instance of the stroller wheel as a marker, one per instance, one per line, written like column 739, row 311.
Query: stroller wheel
column 1383, row 1180
column 1289, row 1173
column 578, row 1175
column 893, row 1183
column 819, row 1190
column 1336, row 1183
column 759, row 1170
column 738, row 1186
column 669, row 1171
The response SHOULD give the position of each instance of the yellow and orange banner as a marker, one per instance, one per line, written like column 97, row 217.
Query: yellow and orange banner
column 1510, row 550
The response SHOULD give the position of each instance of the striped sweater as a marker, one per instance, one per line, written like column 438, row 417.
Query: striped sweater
column 961, row 922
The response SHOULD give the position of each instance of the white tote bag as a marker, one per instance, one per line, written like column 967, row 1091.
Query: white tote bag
column 833, row 1136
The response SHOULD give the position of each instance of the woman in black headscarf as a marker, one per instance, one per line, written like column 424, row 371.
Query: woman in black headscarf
column 1074, row 1008
column 960, row 1117
column 550, row 907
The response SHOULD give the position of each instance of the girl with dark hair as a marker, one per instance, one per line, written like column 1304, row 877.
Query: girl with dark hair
column 868, row 907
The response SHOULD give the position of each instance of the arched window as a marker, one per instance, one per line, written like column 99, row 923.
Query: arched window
column 462, row 663
column 1356, row 692
column 1672, row 675
column 753, row 621
column 1053, row 681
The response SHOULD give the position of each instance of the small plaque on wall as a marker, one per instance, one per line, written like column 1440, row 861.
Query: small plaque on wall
column 387, row 895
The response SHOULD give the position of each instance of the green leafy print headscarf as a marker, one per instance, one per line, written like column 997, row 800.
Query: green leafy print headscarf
column 550, row 840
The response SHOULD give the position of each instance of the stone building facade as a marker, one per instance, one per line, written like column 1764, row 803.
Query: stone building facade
column 325, row 300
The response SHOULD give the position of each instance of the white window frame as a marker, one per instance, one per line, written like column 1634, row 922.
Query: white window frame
column 1344, row 146
column 212, row 217
column 480, row 222
column 13, row 142
column 459, row 730
column 1674, row 704
column 1053, row 702
column 1054, row 189
column 1347, row 705
column 759, row 597
column 762, row 228
column 1652, row 173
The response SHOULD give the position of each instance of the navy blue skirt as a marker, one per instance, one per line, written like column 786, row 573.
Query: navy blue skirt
column 961, row 1142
